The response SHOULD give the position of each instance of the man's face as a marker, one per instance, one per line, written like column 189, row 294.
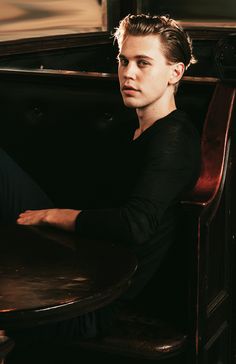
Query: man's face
column 143, row 71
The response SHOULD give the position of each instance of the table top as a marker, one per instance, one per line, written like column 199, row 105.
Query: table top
column 48, row 275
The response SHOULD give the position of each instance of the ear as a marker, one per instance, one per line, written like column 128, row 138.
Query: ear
column 177, row 72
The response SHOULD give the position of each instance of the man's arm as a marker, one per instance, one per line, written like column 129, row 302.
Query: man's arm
column 60, row 218
column 171, row 166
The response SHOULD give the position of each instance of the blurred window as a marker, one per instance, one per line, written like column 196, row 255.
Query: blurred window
column 21, row 19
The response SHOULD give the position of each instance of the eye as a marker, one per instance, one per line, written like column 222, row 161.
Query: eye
column 143, row 63
column 123, row 61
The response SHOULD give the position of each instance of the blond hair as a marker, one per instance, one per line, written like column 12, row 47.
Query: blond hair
column 176, row 44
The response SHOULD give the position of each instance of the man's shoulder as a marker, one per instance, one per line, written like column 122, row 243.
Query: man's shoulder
column 176, row 133
column 175, row 124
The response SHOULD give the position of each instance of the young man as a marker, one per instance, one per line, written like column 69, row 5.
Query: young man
column 162, row 160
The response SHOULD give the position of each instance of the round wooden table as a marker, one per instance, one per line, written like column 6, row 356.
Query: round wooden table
column 48, row 275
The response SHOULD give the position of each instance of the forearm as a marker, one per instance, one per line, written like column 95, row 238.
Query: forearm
column 103, row 224
column 133, row 223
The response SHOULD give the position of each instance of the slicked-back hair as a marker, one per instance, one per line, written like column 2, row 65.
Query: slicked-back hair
column 176, row 44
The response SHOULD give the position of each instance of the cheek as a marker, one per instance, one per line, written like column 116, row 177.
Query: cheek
column 159, row 77
column 155, row 88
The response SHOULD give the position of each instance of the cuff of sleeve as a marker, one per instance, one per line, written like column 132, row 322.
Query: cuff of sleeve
column 104, row 224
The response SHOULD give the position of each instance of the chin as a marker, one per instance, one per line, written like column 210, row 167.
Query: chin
column 130, row 103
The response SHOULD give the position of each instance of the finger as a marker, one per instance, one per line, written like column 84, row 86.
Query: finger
column 26, row 219
column 26, row 222
column 25, row 213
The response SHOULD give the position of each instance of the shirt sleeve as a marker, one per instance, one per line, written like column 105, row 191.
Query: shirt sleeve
column 171, row 167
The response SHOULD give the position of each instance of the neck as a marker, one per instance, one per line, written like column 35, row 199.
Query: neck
column 152, row 113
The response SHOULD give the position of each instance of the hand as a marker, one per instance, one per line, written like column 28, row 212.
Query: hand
column 60, row 218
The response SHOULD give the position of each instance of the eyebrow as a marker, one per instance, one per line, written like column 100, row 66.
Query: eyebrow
column 138, row 56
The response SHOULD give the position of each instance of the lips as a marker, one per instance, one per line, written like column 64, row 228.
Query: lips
column 129, row 88
column 129, row 91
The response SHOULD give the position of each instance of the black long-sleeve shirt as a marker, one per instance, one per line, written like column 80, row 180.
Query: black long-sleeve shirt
column 157, row 169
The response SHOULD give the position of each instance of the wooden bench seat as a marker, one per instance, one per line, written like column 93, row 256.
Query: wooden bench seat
column 138, row 336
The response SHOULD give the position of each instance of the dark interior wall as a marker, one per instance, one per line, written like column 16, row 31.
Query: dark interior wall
column 64, row 132
column 193, row 9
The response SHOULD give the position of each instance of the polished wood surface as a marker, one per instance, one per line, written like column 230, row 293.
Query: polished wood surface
column 47, row 275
